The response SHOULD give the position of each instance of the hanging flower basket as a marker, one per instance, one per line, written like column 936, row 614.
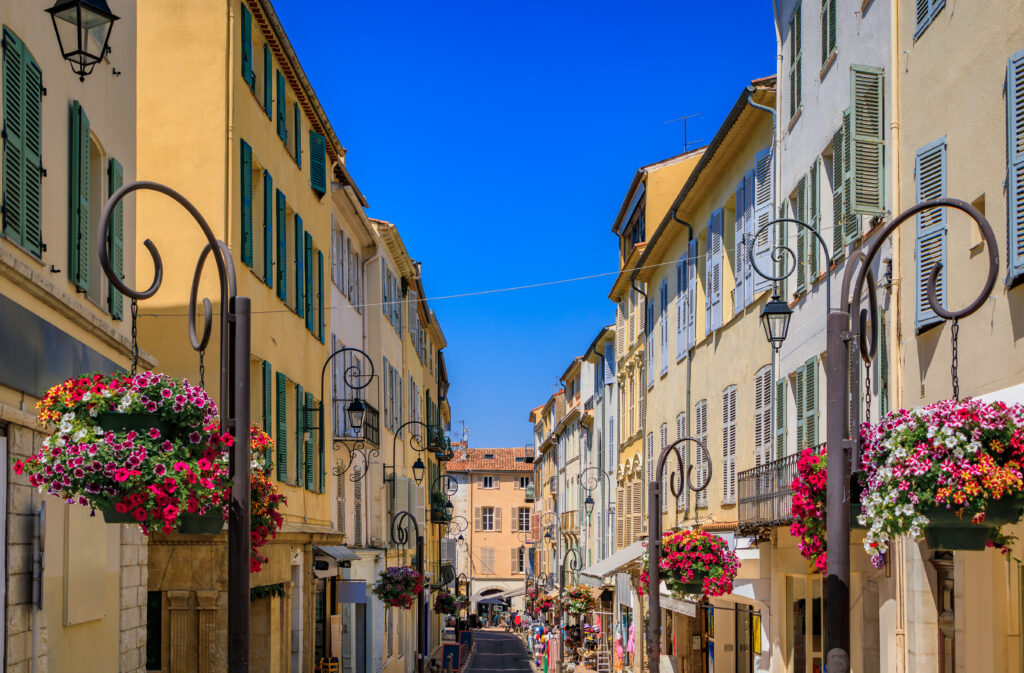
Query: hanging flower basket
column 950, row 472
column 809, row 505
column 398, row 586
column 445, row 604
column 265, row 502
column 578, row 600
column 694, row 562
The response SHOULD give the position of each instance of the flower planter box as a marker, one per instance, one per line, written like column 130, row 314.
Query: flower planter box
column 111, row 515
column 201, row 524
column 948, row 532
column 116, row 421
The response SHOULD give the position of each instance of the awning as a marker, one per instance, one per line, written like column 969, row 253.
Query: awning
column 338, row 552
column 613, row 563
column 491, row 601
column 512, row 593
column 683, row 607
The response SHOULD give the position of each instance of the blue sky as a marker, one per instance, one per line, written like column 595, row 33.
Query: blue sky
column 501, row 138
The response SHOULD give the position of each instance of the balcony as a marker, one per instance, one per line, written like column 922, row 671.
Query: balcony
column 765, row 494
column 370, row 431
column 529, row 493
column 569, row 524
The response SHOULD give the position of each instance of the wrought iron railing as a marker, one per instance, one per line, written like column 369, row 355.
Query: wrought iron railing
column 766, row 494
column 370, row 430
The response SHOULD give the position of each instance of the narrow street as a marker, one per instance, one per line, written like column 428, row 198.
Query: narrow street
column 499, row 651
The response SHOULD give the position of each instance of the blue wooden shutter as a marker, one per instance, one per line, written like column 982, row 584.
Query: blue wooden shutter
column 282, row 120
column 663, row 322
column 739, row 255
column 649, row 329
column 930, row 182
column 300, row 430
column 691, row 289
column 79, row 198
column 282, row 247
column 282, row 427
column 748, row 232
column 308, row 424
column 246, row 204
column 247, row 73
column 298, row 134
column 115, row 239
column 709, row 273
column 268, row 407
column 300, row 280
column 764, row 209
column 681, row 308
column 1015, row 164
column 716, row 264
column 320, row 293
column 268, row 81
column 307, row 263
column 318, row 162
column 268, row 229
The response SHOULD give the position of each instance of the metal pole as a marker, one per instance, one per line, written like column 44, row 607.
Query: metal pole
column 421, row 636
column 653, row 577
column 239, row 510
column 837, row 581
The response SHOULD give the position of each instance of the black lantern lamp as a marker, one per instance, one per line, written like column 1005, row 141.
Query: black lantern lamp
column 83, row 32
column 775, row 319
column 588, row 505
column 356, row 411
column 449, row 508
column 418, row 468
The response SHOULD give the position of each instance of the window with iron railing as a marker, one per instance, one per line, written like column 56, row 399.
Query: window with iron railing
column 766, row 494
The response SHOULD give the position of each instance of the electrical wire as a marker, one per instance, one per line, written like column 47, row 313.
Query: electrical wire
column 479, row 293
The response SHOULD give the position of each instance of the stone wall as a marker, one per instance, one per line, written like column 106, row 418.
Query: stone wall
column 134, row 588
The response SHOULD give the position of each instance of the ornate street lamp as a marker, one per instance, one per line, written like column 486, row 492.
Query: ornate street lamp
column 588, row 505
column 83, row 32
column 775, row 319
column 356, row 414
column 417, row 471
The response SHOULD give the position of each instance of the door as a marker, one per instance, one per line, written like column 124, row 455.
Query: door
column 744, row 639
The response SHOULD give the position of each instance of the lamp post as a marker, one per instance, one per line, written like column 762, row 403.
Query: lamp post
column 235, row 354
column 83, row 32
column 589, row 479
column 551, row 519
column 654, row 524
column 401, row 525
column 435, row 443
column 843, row 421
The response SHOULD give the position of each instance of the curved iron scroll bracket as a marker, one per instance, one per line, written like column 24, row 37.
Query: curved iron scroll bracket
column 780, row 252
column 445, row 483
column 355, row 448
column 851, row 301
column 592, row 476
column 401, row 525
column 676, row 479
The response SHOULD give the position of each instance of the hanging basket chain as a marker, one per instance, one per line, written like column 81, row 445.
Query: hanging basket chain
column 955, row 332
column 135, row 336
column 202, row 368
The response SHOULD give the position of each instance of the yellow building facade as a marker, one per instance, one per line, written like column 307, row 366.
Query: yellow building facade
column 72, row 591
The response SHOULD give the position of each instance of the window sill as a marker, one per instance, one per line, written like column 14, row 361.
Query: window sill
column 794, row 119
column 827, row 66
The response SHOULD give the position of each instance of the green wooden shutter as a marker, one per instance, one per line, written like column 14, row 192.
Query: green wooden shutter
column 782, row 236
column 282, row 120
column 78, row 206
column 838, row 218
column 282, row 248
column 308, row 265
column 318, row 162
column 798, row 395
column 246, row 204
column 780, row 418
column 866, row 148
column 22, row 146
column 247, row 73
column 268, row 229
column 1015, row 163
column 300, row 430
column 300, row 281
column 814, row 220
column 930, row 181
column 800, row 213
column 298, row 133
column 851, row 223
column 811, row 402
column 828, row 29
column 268, row 406
column 282, row 427
column 883, row 367
column 268, row 81
column 310, row 462
column 115, row 239
column 320, row 294
column 795, row 57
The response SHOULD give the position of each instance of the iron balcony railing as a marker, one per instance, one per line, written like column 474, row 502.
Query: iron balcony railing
column 370, row 431
column 569, row 521
column 766, row 494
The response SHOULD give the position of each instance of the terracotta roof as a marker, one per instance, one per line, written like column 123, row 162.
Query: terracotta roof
column 500, row 460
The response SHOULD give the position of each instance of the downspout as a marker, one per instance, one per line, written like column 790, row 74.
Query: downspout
column 894, row 126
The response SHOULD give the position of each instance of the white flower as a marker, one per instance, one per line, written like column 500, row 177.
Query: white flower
column 80, row 434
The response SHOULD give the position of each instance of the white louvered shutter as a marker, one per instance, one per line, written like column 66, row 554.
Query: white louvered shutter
column 762, row 415
column 649, row 328
column 748, row 232
column 1015, row 165
column 930, row 180
column 681, row 308
column 702, row 465
column 663, row 322
column 739, row 257
column 666, row 486
column 716, row 269
column 763, row 209
column 691, row 294
column 684, row 451
column 729, row 446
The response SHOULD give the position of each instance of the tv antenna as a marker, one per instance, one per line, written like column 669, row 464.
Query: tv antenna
column 686, row 142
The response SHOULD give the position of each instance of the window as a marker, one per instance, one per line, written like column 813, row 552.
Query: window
column 22, row 146
column 487, row 523
column 487, row 560
column 729, row 446
column 743, row 238
column 524, row 482
column 930, row 182
column 524, row 519
column 798, row 202
column 805, row 617
column 1015, row 163
column 487, row 482
column 805, row 391
column 713, row 273
column 828, row 31
column 281, row 221
column 926, row 12
column 518, row 560
column 762, row 415
column 701, row 414
column 795, row 51
column 649, row 331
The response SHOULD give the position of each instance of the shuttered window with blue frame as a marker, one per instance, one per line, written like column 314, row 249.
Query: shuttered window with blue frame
column 282, row 427
column 268, row 407
column 930, row 248
column 1015, row 165
column 268, row 81
column 320, row 294
column 300, row 281
column 318, row 163
column 297, row 115
column 282, row 120
column 115, row 239
column 247, row 72
column 310, row 404
column 308, row 296
column 925, row 12
column 268, row 229
column 300, row 431
column 282, row 247
column 22, row 146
